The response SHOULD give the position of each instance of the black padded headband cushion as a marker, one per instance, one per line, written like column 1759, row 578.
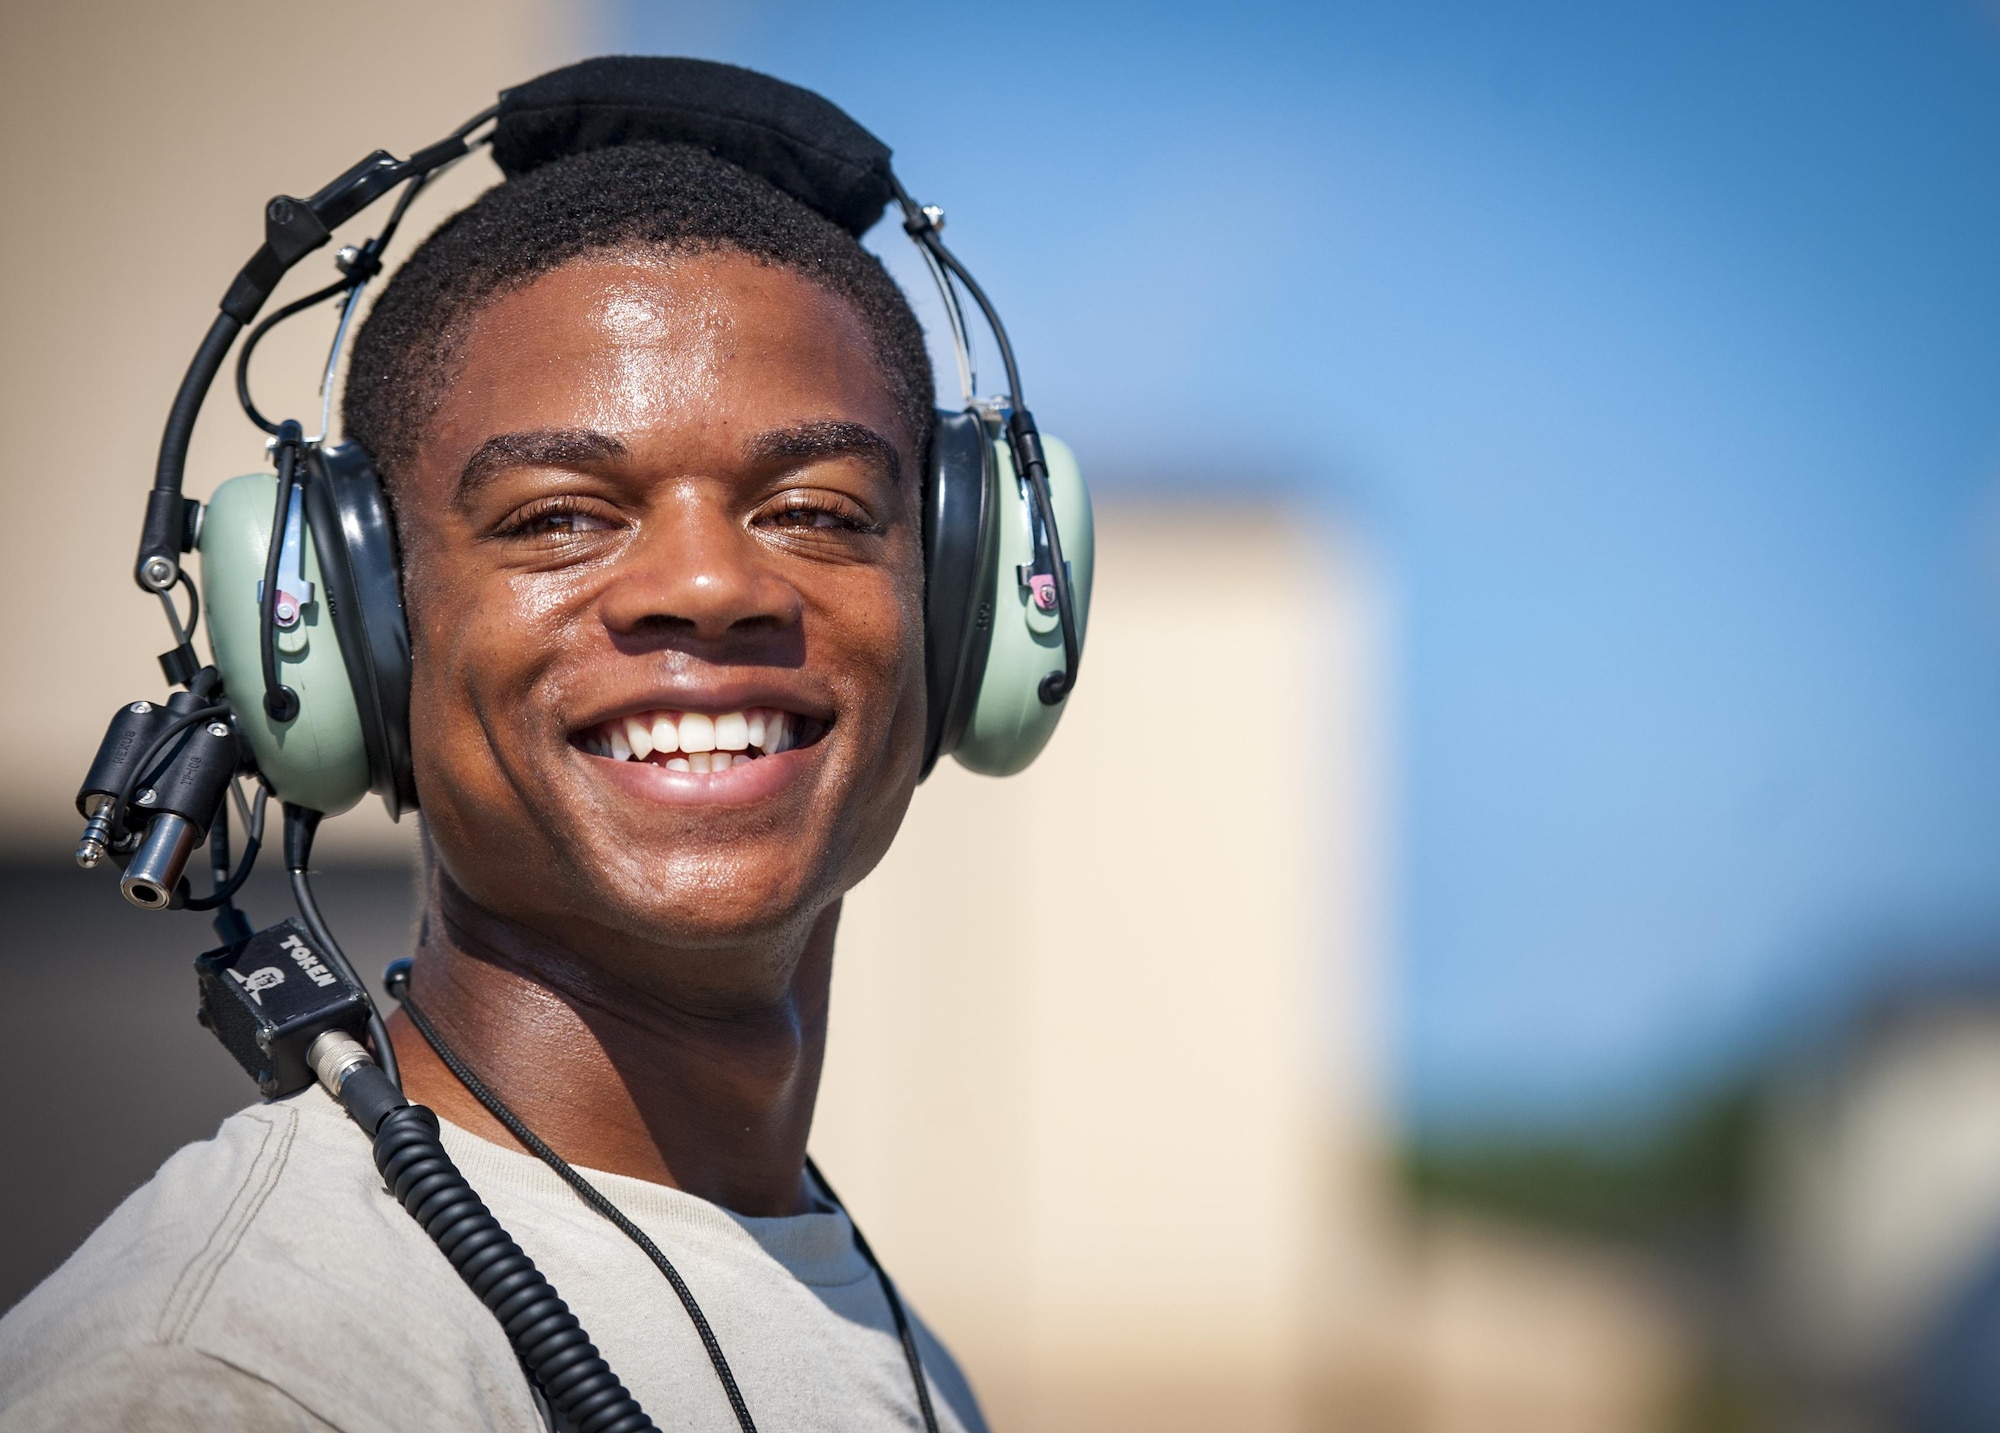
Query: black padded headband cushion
column 803, row 144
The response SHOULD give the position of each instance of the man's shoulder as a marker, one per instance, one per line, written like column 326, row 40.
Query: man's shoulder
column 269, row 1253
column 149, row 1255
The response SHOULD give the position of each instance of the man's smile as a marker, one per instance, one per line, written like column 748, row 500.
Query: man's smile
column 729, row 757
column 702, row 742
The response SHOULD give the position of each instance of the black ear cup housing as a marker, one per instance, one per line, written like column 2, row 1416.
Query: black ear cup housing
column 356, row 539
column 959, row 553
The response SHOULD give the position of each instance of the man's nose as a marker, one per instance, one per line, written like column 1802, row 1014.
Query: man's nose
column 698, row 571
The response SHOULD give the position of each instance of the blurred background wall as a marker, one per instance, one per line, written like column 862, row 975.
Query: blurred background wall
column 1575, row 423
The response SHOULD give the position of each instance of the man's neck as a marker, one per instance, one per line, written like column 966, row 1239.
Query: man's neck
column 716, row 1101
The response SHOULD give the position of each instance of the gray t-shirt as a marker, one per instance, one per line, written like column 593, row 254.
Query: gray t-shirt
column 265, row 1279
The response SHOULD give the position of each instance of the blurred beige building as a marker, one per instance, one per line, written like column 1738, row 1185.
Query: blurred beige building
column 1103, row 1053
column 1105, row 1075
column 142, row 143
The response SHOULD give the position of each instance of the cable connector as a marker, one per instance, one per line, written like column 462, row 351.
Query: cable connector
column 349, row 1073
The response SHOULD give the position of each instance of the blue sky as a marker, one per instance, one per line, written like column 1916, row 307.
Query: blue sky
column 1656, row 352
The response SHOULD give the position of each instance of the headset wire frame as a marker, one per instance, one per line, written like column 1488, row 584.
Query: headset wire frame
column 1030, row 464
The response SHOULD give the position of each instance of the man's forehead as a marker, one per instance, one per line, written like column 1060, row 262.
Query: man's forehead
column 577, row 368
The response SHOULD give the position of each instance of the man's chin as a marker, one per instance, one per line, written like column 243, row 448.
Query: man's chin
column 702, row 898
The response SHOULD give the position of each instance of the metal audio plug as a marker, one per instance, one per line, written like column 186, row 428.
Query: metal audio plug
column 154, row 872
column 126, row 741
column 96, row 831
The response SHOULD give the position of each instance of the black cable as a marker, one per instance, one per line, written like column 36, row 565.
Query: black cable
column 586, row 1191
column 1056, row 685
column 470, row 125
column 403, row 202
column 398, row 982
column 553, row 1348
column 158, row 546
column 1024, row 439
column 218, row 846
column 281, row 703
column 264, row 326
column 366, row 263
column 183, row 635
column 904, row 1331
column 301, row 825
column 253, row 841
column 1026, row 442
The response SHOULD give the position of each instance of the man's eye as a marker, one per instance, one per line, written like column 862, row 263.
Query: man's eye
column 555, row 518
column 802, row 513
column 807, row 517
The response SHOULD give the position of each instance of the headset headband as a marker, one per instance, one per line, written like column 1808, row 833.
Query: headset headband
column 791, row 137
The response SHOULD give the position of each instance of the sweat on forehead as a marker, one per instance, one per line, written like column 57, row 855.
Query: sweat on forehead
column 671, row 199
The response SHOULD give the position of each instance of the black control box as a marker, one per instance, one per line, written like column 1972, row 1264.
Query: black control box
column 269, row 997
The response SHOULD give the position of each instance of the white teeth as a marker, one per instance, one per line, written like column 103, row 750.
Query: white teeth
column 697, row 733
column 708, row 742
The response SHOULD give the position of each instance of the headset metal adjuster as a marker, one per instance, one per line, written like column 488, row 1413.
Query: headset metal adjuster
column 1041, row 587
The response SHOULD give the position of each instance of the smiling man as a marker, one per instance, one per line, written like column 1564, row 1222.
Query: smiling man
column 654, row 434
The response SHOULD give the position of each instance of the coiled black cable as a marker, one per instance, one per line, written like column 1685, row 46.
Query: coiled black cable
column 397, row 979
column 552, row 1346
column 398, row 983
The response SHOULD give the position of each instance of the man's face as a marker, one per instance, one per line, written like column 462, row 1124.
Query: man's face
column 670, row 496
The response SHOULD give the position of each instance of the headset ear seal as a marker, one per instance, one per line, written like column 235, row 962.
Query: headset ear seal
column 354, row 533
column 959, row 556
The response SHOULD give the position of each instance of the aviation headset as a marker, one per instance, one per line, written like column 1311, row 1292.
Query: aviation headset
column 309, row 689
column 319, row 690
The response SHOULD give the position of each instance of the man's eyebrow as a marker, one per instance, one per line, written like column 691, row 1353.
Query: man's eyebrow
column 540, row 448
column 830, row 439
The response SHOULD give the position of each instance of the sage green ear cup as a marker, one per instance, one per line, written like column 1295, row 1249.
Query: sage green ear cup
column 1009, row 725
column 319, row 758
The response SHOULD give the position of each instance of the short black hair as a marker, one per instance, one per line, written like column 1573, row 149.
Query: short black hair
column 666, row 198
